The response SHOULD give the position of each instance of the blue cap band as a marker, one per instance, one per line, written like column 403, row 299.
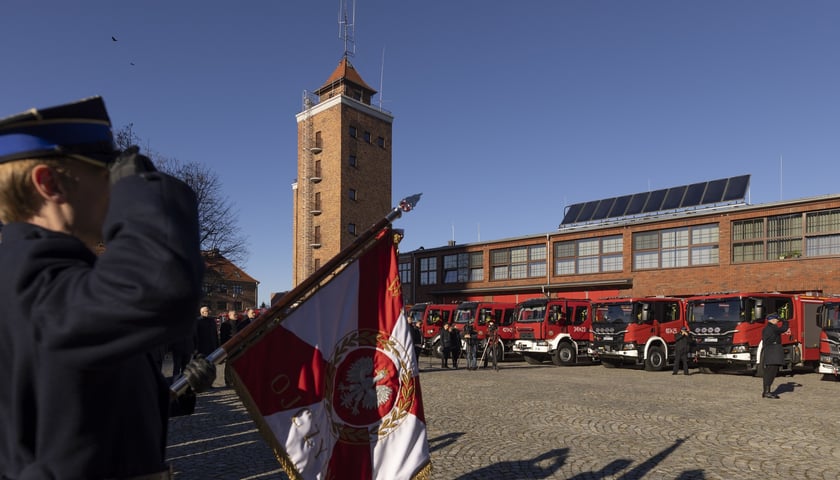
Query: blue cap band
column 41, row 139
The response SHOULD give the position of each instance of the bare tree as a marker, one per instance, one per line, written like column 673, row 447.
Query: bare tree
column 217, row 217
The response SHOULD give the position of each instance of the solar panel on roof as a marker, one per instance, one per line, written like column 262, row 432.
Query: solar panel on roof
column 587, row 211
column 674, row 198
column 572, row 213
column 603, row 209
column 684, row 196
column 637, row 203
column 654, row 202
column 693, row 194
column 714, row 192
column 737, row 188
column 620, row 206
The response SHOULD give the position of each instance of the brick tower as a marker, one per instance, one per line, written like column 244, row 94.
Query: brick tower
column 344, row 168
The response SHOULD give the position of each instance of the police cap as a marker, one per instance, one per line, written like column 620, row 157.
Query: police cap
column 80, row 130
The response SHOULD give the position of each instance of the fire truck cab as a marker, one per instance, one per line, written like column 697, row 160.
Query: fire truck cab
column 726, row 329
column 479, row 314
column 435, row 316
column 828, row 319
column 554, row 329
column 637, row 331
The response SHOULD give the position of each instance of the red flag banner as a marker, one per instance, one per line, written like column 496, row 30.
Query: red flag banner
column 335, row 387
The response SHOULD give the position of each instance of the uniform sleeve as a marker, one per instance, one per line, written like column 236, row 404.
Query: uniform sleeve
column 143, row 291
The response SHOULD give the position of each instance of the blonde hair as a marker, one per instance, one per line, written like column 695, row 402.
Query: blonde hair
column 19, row 201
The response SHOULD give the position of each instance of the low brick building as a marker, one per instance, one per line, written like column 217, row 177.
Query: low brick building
column 788, row 246
column 226, row 286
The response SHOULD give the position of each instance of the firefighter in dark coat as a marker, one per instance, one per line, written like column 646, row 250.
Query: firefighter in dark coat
column 773, row 352
column 682, row 343
column 446, row 345
column 81, row 396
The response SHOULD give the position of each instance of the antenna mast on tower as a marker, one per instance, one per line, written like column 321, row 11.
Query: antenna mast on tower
column 347, row 27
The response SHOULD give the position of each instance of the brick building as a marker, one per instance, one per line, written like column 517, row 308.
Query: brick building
column 344, row 168
column 788, row 246
column 226, row 286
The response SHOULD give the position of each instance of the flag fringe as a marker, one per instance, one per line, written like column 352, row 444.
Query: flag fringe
column 425, row 473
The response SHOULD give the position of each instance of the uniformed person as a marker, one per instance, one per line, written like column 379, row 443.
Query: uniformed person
column 81, row 396
column 773, row 354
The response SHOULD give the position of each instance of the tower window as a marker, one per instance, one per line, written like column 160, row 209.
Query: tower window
column 318, row 141
column 353, row 194
column 353, row 132
column 351, row 228
column 367, row 137
column 318, row 168
column 381, row 142
column 352, row 161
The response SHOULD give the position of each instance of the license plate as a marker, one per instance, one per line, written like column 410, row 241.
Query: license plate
column 711, row 340
column 608, row 338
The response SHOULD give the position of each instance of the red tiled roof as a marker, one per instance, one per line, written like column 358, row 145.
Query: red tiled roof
column 346, row 71
column 223, row 267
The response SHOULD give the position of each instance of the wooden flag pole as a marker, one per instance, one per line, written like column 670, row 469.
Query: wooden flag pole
column 197, row 374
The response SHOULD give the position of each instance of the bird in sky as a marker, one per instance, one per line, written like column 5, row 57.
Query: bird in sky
column 113, row 38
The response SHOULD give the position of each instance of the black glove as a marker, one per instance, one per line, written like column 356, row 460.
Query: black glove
column 200, row 374
column 130, row 162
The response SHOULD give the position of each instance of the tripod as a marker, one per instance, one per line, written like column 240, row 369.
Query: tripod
column 486, row 344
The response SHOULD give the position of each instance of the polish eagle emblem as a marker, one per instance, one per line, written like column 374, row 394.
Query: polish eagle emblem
column 361, row 386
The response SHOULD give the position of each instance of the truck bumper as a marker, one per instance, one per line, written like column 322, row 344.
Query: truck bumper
column 828, row 369
column 529, row 347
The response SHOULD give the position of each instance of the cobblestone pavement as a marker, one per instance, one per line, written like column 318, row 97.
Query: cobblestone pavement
column 581, row 423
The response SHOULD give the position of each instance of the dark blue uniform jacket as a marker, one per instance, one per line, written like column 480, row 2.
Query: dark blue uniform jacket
column 82, row 397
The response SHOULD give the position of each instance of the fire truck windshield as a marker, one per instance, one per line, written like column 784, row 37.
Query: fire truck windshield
column 831, row 316
column 530, row 314
column 613, row 313
column 464, row 315
column 724, row 310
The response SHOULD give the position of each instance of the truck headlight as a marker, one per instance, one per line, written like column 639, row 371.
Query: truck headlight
column 739, row 349
column 629, row 346
column 825, row 358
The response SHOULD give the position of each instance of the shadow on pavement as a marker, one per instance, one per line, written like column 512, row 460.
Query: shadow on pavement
column 547, row 465
column 542, row 466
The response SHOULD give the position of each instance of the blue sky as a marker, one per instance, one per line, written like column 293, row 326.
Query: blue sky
column 505, row 112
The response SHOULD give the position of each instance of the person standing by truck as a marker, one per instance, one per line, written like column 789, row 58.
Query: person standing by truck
column 773, row 352
column 471, row 341
column 681, row 346
column 446, row 345
column 491, row 346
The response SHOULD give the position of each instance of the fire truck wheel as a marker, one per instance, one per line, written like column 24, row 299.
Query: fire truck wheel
column 565, row 354
column 532, row 360
column 437, row 349
column 655, row 360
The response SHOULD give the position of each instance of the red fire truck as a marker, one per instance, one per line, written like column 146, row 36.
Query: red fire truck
column 554, row 329
column 828, row 319
column 726, row 329
column 478, row 314
column 435, row 316
column 638, row 331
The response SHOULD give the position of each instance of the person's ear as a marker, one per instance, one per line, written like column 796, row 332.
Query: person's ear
column 48, row 184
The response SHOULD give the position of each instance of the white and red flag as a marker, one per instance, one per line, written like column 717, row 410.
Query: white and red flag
column 334, row 388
